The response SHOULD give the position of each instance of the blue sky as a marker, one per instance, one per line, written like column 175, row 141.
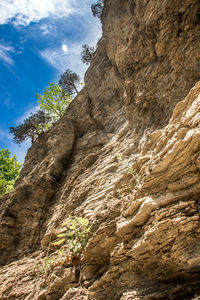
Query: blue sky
column 39, row 40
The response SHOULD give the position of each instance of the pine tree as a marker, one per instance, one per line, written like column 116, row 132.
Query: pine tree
column 32, row 127
column 87, row 54
column 69, row 82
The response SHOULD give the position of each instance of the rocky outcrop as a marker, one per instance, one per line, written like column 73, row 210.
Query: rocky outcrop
column 125, row 156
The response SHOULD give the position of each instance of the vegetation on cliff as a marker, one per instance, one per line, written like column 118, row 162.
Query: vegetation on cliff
column 126, row 156
column 97, row 8
column 9, row 170
column 54, row 101
column 32, row 127
column 53, row 104
column 56, row 97
column 87, row 54
column 69, row 82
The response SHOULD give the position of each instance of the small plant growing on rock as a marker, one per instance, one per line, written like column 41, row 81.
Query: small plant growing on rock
column 72, row 241
column 134, row 174
column 74, row 237
column 130, row 170
column 46, row 265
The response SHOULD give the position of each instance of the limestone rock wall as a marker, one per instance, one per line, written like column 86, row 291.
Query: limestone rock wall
column 154, row 46
column 126, row 156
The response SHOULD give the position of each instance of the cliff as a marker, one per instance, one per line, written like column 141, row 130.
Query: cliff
column 126, row 156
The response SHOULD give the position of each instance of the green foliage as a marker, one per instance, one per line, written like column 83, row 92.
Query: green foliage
column 87, row 54
column 134, row 174
column 6, row 186
column 32, row 127
column 54, row 101
column 75, row 236
column 9, row 170
column 97, row 8
column 71, row 241
column 69, row 82
column 46, row 265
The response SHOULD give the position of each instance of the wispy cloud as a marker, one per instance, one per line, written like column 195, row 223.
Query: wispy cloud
column 20, row 150
column 23, row 12
column 5, row 135
column 55, row 57
column 71, row 59
column 5, row 54
column 46, row 29
column 27, row 114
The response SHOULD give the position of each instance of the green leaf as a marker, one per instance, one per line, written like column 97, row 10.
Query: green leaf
column 66, row 222
column 58, row 243
column 61, row 251
column 88, row 229
column 61, row 235
column 82, row 221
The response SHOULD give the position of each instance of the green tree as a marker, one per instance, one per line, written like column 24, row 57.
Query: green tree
column 32, row 127
column 54, row 101
column 87, row 54
column 69, row 82
column 9, row 170
column 97, row 8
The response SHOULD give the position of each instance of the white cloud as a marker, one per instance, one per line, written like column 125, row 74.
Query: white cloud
column 71, row 59
column 5, row 54
column 45, row 29
column 5, row 135
column 62, row 61
column 23, row 12
column 65, row 60
column 54, row 57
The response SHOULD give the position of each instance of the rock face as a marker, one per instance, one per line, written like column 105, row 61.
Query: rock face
column 126, row 155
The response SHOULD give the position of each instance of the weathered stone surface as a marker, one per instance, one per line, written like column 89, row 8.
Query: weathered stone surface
column 126, row 155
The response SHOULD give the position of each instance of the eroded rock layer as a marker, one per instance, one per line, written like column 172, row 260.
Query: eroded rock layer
column 126, row 155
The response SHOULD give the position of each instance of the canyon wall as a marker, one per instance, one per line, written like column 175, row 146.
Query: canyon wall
column 126, row 156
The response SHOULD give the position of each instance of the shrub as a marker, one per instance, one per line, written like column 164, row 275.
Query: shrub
column 75, row 236
column 73, row 240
